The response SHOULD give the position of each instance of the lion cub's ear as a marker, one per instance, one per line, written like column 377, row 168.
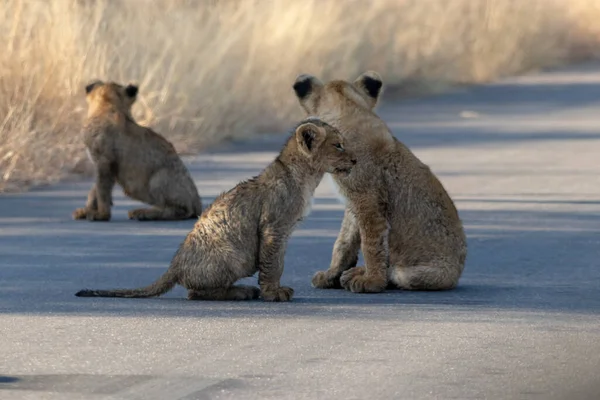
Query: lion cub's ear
column 370, row 84
column 90, row 86
column 309, row 137
column 131, row 90
column 308, row 90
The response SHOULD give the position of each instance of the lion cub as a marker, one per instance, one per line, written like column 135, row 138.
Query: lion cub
column 140, row 160
column 246, row 229
column 397, row 211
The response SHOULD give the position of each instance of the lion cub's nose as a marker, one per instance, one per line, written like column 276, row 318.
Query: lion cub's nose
column 353, row 161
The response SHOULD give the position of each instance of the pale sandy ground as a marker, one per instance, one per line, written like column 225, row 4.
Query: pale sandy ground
column 521, row 158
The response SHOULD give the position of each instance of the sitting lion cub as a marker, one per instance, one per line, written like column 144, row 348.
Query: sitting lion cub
column 140, row 160
column 397, row 210
column 246, row 229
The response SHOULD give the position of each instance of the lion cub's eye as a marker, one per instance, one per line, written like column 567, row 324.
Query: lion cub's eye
column 339, row 146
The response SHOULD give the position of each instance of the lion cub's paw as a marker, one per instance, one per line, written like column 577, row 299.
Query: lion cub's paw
column 282, row 293
column 80, row 213
column 138, row 213
column 94, row 215
column 356, row 280
column 245, row 292
column 324, row 280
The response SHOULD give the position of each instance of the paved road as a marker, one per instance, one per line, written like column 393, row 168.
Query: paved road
column 521, row 160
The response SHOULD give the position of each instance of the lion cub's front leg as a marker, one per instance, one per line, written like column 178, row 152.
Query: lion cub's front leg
column 99, row 198
column 270, row 267
column 374, row 231
column 345, row 254
column 91, row 204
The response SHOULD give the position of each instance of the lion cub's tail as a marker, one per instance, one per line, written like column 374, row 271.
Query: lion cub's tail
column 165, row 283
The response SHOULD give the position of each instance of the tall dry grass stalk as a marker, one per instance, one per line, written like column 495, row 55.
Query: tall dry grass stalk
column 211, row 70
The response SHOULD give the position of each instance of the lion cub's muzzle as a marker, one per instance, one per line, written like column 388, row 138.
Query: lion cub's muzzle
column 345, row 169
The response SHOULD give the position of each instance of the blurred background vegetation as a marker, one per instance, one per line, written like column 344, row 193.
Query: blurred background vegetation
column 210, row 70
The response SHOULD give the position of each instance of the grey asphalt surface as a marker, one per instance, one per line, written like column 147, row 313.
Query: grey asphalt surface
column 519, row 157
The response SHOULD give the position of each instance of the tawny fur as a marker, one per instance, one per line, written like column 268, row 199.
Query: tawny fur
column 397, row 211
column 140, row 160
column 246, row 229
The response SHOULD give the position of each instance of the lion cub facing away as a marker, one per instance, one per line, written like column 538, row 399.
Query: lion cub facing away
column 246, row 229
column 140, row 160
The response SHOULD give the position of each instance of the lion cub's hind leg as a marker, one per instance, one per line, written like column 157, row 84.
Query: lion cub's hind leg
column 170, row 198
column 442, row 275
column 235, row 292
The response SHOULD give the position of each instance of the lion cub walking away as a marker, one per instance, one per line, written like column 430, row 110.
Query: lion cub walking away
column 397, row 211
column 140, row 160
column 246, row 229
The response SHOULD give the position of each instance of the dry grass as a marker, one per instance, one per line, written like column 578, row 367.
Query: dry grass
column 211, row 70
